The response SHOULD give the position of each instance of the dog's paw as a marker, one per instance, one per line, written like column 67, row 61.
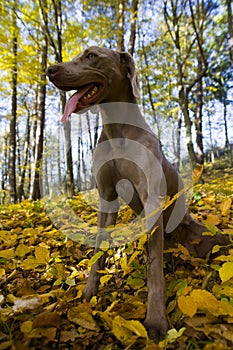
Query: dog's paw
column 156, row 331
column 90, row 290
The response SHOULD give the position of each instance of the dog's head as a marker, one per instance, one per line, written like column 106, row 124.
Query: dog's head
column 99, row 75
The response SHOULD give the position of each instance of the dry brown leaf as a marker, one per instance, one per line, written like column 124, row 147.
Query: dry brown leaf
column 46, row 319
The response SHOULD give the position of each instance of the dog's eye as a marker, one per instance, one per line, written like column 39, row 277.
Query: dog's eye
column 91, row 56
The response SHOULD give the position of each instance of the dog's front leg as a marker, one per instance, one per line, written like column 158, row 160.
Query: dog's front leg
column 156, row 320
column 104, row 220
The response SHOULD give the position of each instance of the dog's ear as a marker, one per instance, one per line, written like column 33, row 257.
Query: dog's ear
column 127, row 60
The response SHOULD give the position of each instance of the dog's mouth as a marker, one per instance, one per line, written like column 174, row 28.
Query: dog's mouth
column 85, row 97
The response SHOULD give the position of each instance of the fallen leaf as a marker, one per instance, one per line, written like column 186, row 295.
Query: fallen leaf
column 42, row 255
column 225, row 288
column 207, row 302
column 68, row 336
column 226, row 206
column 124, row 330
column 26, row 327
column 104, row 279
column 46, row 319
column 95, row 257
column 82, row 315
column 2, row 272
column 22, row 250
column 7, row 253
column 197, row 172
column 49, row 333
column 226, row 271
column 187, row 305
column 213, row 219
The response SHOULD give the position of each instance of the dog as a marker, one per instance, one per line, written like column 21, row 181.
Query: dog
column 129, row 163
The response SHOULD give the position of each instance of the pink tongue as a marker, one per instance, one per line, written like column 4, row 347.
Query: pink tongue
column 71, row 104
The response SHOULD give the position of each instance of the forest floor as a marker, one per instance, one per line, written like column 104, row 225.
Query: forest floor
column 45, row 256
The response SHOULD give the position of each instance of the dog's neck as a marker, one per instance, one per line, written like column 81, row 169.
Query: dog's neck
column 120, row 118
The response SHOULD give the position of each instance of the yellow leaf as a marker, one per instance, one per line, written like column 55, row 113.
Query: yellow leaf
column 125, row 330
column 124, row 262
column 216, row 249
column 143, row 239
column 213, row 219
column 82, row 315
column 137, row 328
column 225, row 206
column 121, row 333
column 226, row 271
column 197, row 172
column 135, row 283
column 7, row 253
column 173, row 334
column 22, row 250
column 29, row 263
column 125, row 267
column 95, row 257
column 187, row 305
column 225, row 288
column 2, row 272
column 26, row 327
column 104, row 279
column 186, row 290
column 183, row 250
column 207, row 302
column 104, row 245
column 133, row 257
column 42, row 255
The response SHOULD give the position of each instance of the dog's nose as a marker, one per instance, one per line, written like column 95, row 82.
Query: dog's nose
column 51, row 71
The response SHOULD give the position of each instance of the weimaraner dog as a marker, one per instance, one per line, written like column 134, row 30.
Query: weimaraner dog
column 129, row 163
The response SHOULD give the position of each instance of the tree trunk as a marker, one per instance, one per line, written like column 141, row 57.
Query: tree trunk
column 79, row 179
column 69, row 168
column 230, row 26
column 12, row 136
column 59, row 160
column 198, row 122
column 89, row 132
column 150, row 93
column 210, row 116
column 57, row 48
column 178, row 142
column 84, row 166
column 121, row 24
column 227, row 144
column 67, row 126
column 69, row 180
column 21, row 194
column 4, row 167
column 35, row 192
column 184, row 87
column 133, row 26
column 183, row 100
column 96, row 128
